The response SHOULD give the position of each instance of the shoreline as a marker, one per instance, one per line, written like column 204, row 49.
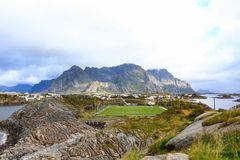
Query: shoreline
column 12, row 104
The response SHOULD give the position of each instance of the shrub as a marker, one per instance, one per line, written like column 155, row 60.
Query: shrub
column 196, row 113
column 136, row 101
column 159, row 146
column 84, row 105
column 134, row 154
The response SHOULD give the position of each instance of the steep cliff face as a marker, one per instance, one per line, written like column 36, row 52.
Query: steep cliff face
column 49, row 129
column 169, row 83
column 42, row 86
column 70, row 81
column 126, row 78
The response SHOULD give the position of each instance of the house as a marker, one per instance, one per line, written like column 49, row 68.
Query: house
column 151, row 103
column 150, row 98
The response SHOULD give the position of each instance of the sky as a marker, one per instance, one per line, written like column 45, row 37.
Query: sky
column 196, row 40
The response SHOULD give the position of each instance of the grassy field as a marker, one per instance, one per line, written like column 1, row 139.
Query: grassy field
column 130, row 110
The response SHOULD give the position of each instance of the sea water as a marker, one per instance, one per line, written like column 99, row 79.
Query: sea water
column 5, row 112
column 219, row 103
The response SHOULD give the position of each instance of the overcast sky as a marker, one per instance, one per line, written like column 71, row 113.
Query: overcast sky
column 196, row 40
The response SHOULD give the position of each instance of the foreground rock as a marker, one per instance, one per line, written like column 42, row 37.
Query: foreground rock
column 196, row 129
column 170, row 156
column 48, row 129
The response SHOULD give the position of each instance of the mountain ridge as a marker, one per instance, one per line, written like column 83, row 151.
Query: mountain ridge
column 17, row 88
column 124, row 78
column 204, row 91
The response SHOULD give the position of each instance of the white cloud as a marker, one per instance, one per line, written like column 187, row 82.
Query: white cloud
column 30, row 74
column 154, row 34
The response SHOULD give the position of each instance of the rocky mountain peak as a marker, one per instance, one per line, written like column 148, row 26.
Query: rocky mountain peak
column 75, row 68
column 124, row 78
column 161, row 74
column 128, row 66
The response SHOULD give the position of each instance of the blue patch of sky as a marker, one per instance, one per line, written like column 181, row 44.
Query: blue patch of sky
column 214, row 32
column 203, row 3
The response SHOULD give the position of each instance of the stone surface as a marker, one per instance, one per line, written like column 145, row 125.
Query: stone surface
column 170, row 156
column 204, row 115
column 129, row 141
column 230, row 128
column 195, row 130
column 49, row 129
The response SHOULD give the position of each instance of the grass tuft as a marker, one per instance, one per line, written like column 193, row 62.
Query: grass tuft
column 134, row 154
column 224, row 117
column 159, row 146
column 216, row 147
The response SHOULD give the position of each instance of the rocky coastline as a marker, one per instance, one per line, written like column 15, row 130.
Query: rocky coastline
column 50, row 129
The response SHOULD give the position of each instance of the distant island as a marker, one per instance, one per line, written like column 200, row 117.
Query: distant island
column 204, row 91
column 224, row 96
column 17, row 88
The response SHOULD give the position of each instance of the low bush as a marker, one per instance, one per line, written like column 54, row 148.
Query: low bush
column 159, row 146
column 224, row 117
column 85, row 106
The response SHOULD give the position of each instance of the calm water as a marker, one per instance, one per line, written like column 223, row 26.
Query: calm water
column 5, row 112
column 220, row 103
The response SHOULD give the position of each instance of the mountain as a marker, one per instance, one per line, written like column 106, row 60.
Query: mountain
column 18, row 88
column 3, row 88
column 204, row 91
column 125, row 78
column 169, row 83
column 41, row 86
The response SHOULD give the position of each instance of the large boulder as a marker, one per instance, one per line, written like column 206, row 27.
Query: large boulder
column 169, row 156
column 189, row 134
column 129, row 140
column 205, row 115
column 196, row 130
column 49, row 130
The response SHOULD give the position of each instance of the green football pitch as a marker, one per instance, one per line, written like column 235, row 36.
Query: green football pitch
column 130, row 110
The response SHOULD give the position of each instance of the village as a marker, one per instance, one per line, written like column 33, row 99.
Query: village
column 28, row 97
column 149, row 98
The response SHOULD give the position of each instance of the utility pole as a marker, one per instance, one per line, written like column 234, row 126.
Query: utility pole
column 214, row 103
column 178, row 97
